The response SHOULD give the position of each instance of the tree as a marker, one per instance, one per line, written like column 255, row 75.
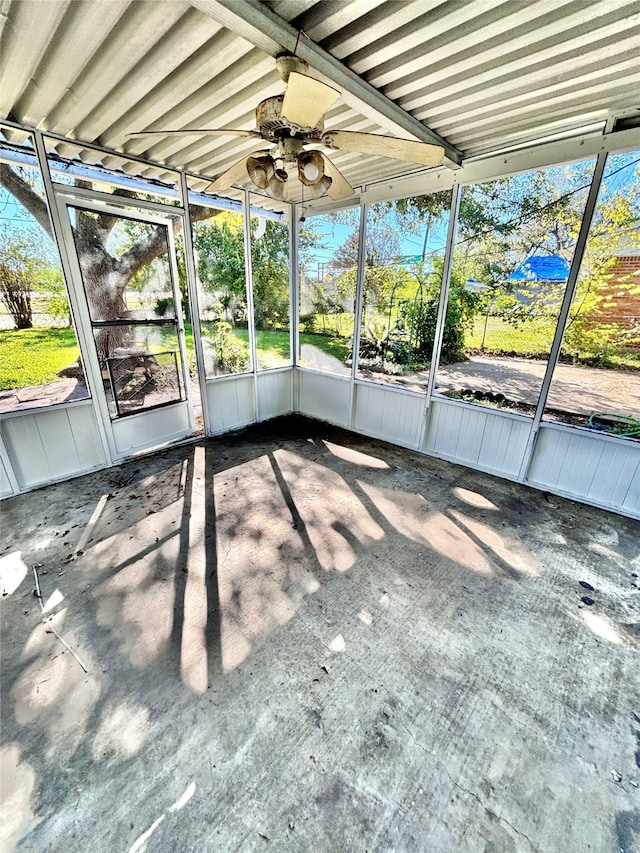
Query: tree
column 15, row 286
column 382, row 275
column 221, row 268
column 270, row 274
column 105, row 275
column 503, row 222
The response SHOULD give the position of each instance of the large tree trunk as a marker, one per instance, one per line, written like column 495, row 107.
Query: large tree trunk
column 105, row 277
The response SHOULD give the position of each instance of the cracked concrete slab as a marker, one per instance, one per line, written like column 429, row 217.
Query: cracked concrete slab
column 301, row 639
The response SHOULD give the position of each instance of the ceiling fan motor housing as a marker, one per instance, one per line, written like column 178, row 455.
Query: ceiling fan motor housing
column 272, row 125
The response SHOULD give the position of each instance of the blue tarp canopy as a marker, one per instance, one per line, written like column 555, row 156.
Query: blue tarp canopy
column 541, row 268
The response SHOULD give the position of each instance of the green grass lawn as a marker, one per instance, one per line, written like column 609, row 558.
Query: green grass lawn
column 34, row 356
column 534, row 337
column 273, row 347
column 337, row 347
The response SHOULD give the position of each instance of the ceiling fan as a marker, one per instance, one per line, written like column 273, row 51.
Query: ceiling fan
column 293, row 121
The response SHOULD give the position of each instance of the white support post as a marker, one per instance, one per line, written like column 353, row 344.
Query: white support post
column 84, row 343
column 563, row 316
column 248, row 266
column 357, row 312
column 294, row 290
column 192, row 289
column 442, row 308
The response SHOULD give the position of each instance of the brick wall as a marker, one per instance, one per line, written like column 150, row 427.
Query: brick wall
column 626, row 311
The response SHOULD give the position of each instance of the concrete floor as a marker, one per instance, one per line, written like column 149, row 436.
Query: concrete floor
column 299, row 639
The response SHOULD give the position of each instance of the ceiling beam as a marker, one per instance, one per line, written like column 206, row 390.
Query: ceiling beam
column 270, row 33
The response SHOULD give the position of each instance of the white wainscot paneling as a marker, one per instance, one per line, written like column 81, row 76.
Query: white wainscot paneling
column 275, row 393
column 482, row 438
column 388, row 413
column 52, row 444
column 151, row 429
column 6, row 486
column 595, row 468
column 324, row 396
column 231, row 403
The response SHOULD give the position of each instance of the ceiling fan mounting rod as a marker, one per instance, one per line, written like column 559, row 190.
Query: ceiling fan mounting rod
column 289, row 147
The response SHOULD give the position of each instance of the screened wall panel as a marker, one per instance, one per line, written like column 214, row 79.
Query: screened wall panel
column 270, row 275
column 328, row 270
column 404, row 255
column 596, row 383
column 511, row 261
column 218, row 242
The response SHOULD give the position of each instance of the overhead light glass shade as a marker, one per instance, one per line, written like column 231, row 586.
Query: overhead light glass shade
column 310, row 167
column 311, row 173
column 277, row 186
column 321, row 187
column 261, row 169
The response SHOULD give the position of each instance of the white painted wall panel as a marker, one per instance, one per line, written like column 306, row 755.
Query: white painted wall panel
column 6, row 489
column 231, row 403
column 595, row 468
column 52, row 444
column 482, row 438
column 275, row 393
column 151, row 429
column 388, row 413
column 84, row 426
column 324, row 396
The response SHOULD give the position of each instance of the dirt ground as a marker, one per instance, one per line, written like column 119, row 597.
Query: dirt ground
column 299, row 639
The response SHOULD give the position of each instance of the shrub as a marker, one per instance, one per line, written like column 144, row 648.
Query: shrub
column 308, row 322
column 231, row 354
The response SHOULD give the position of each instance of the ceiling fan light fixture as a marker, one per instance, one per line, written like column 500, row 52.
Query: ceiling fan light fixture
column 311, row 173
column 277, row 185
column 321, row 187
column 310, row 168
column 261, row 170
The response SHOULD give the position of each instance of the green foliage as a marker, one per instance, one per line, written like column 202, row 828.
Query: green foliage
column 162, row 305
column 308, row 322
column 52, row 294
column 221, row 268
column 422, row 320
column 31, row 278
column 231, row 355
column 25, row 268
column 15, row 292
column 270, row 273
column 219, row 244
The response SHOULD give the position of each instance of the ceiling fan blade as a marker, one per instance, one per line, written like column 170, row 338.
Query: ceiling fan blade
column 192, row 131
column 232, row 175
column 340, row 186
column 385, row 146
column 307, row 100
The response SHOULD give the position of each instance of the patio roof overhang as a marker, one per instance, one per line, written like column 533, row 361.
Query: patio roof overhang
column 479, row 78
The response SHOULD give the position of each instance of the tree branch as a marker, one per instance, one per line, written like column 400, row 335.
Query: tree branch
column 21, row 190
column 145, row 250
column 138, row 255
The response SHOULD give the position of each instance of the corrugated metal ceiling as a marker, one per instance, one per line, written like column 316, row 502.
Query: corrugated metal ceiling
column 483, row 74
